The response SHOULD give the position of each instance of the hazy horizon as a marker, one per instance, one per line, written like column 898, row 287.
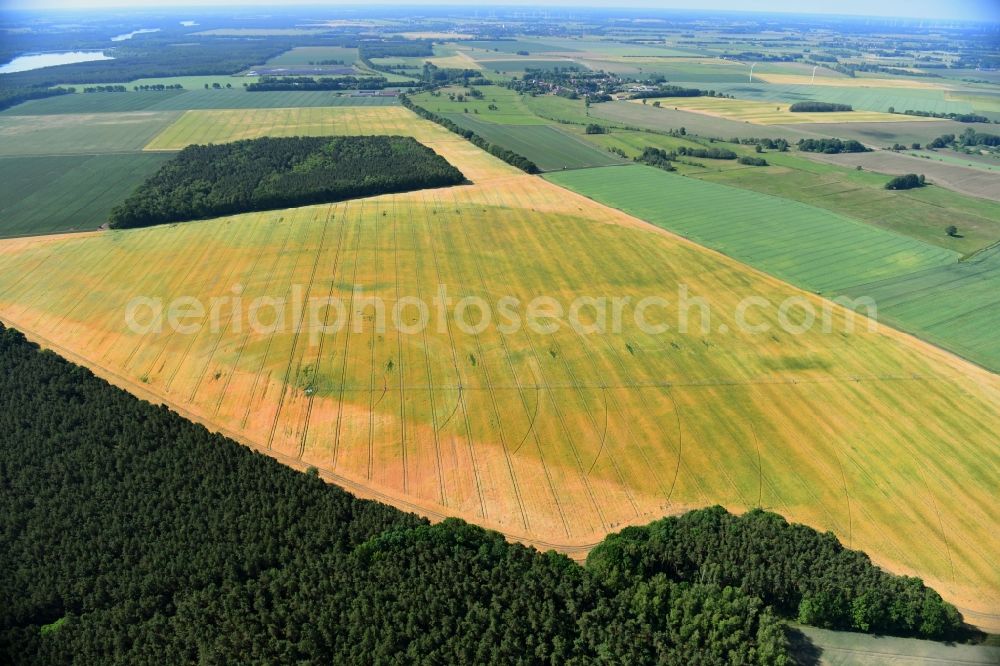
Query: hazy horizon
column 963, row 10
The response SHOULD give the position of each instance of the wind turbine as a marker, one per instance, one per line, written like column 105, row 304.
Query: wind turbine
column 813, row 80
column 751, row 71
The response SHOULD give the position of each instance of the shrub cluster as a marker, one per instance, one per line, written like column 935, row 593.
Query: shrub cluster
column 819, row 107
column 831, row 146
column 906, row 182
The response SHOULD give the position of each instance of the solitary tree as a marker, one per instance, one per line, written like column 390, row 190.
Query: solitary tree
column 952, row 231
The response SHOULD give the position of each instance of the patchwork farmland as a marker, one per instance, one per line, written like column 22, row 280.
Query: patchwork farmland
column 494, row 335
column 807, row 246
column 547, row 437
column 816, row 250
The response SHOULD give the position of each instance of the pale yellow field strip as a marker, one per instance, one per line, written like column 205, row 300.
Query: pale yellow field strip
column 459, row 60
column 850, row 82
column 771, row 113
column 551, row 438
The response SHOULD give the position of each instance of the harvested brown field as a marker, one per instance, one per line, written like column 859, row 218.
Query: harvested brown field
column 965, row 180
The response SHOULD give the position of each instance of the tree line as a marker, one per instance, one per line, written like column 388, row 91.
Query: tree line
column 959, row 117
column 662, row 159
column 270, row 83
column 675, row 91
column 819, row 107
column 105, row 89
column 13, row 96
column 508, row 156
column 832, row 146
column 138, row 536
column 267, row 173
column 969, row 137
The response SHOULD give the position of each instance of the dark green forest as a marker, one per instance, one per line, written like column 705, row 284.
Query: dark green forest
column 131, row 535
column 268, row 173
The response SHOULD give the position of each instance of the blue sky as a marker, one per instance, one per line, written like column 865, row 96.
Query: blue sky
column 948, row 9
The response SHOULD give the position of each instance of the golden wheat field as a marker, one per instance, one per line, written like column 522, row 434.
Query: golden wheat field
column 551, row 437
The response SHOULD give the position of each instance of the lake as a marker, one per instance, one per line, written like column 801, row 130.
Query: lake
column 130, row 35
column 37, row 61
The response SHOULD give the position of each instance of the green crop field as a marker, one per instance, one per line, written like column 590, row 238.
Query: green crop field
column 956, row 306
column 550, row 147
column 634, row 142
column 808, row 246
column 560, row 109
column 81, row 133
column 922, row 213
column 918, row 287
column 870, row 99
column 92, row 103
column 240, row 99
column 182, row 100
column 52, row 194
column 188, row 82
column 511, row 108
